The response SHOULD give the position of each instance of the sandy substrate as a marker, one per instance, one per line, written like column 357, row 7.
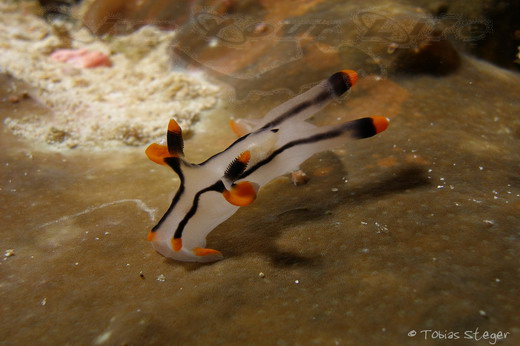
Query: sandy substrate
column 126, row 104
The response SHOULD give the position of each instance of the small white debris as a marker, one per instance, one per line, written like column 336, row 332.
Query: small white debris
column 161, row 278
column 296, row 281
column 482, row 313
column 9, row 253
column 299, row 177
column 213, row 42
column 101, row 339
column 261, row 275
column 497, row 280
column 364, row 223
column 381, row 228
column 44, row 301
column 440, row 186
column 334, row 189
column 481, row 168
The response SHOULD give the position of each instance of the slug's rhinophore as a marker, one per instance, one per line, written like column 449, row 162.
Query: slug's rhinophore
column 212, row 191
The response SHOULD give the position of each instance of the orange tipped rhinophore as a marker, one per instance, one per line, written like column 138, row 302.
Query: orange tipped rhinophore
column 352, row 76
column 238, row 129
column 174, row 127
column 245, row 157
column 380, row 123
column 241, row 194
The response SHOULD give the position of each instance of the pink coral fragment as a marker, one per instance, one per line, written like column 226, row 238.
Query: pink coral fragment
column 81, row 58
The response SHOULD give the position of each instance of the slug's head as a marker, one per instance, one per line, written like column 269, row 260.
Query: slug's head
column 205, row 198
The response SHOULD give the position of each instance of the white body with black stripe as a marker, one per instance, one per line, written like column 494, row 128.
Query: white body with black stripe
column 213, row 191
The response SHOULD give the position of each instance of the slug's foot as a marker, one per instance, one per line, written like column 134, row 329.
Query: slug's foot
column 207, row 255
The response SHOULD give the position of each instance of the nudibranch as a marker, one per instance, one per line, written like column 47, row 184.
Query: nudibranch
column 211, row 191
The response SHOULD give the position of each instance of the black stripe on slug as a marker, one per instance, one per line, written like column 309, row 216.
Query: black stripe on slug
column 175, row 164
column 358, row 129
column 218, row 187
column 237, row 141
column 336, row 85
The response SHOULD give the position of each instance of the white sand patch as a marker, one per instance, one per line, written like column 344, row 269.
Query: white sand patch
column 126, row 104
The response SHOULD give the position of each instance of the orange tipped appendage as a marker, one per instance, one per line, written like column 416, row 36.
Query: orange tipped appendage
column 352, row 76
column 174, row 127
column 245, row 157
column 237, row 129
column 177, row 244
column 151, row 236
column 241, row 194
column 380, row 123
column 199, row 251
column 157, row 153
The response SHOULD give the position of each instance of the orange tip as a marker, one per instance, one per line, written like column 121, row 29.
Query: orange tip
column 174, row 127
column 245, row 157
column 241, row 194
column 352, row 76
column 177, row 244
column 151, row 236
column 380, row 123
column 157, row 153
column 199, row 251
column 237, row 128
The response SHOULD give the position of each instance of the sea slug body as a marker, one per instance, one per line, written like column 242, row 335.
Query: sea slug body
column 212, row 191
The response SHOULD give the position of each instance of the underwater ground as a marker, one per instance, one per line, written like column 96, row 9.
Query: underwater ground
column 411, row 237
